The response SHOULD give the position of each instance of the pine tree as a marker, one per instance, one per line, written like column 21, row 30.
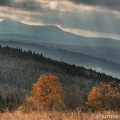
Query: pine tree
column 11, row 102
column 2, row 103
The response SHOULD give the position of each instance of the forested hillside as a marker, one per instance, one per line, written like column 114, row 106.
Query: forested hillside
column 20, row 69
column 76, row 58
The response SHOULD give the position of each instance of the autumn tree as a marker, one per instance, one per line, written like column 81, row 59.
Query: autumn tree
column 48, row 91
column 95, row 99
column 105, row 96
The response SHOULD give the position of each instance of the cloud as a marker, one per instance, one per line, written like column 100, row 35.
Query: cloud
column 65, row 14
column 30, row 5
column 111, row 4
column 106, row 22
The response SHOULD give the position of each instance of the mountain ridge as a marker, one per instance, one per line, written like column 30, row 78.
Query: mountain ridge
column 53, row 34
column 57, row 38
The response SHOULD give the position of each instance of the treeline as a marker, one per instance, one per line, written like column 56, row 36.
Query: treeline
column 47, row 94
column 19, row 70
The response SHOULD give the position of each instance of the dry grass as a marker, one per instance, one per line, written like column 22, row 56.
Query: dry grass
column 77, row 115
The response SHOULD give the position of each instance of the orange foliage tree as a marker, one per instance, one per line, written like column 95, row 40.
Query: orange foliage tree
column 105, row 96
column 95, row 99
column 48, row 91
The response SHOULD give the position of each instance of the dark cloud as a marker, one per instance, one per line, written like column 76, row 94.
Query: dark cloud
column 30, row 5
column 95, row 22
column 111, row 4
column 98, row 20
column 5, row 2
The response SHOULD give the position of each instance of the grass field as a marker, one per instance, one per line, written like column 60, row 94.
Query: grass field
column 77, row 115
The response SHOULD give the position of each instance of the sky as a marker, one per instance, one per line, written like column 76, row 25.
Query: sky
column 91, row 18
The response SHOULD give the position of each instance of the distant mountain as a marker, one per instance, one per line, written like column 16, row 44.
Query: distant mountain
column 15, row 30
column 55, row 37
column 79, row 59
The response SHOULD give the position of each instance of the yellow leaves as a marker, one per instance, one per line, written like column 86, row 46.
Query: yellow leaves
column 48, row 91
column 95, row 98
column 105, row 96
column 47, row 94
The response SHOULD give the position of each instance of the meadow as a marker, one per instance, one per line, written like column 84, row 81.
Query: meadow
column 66, row 115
